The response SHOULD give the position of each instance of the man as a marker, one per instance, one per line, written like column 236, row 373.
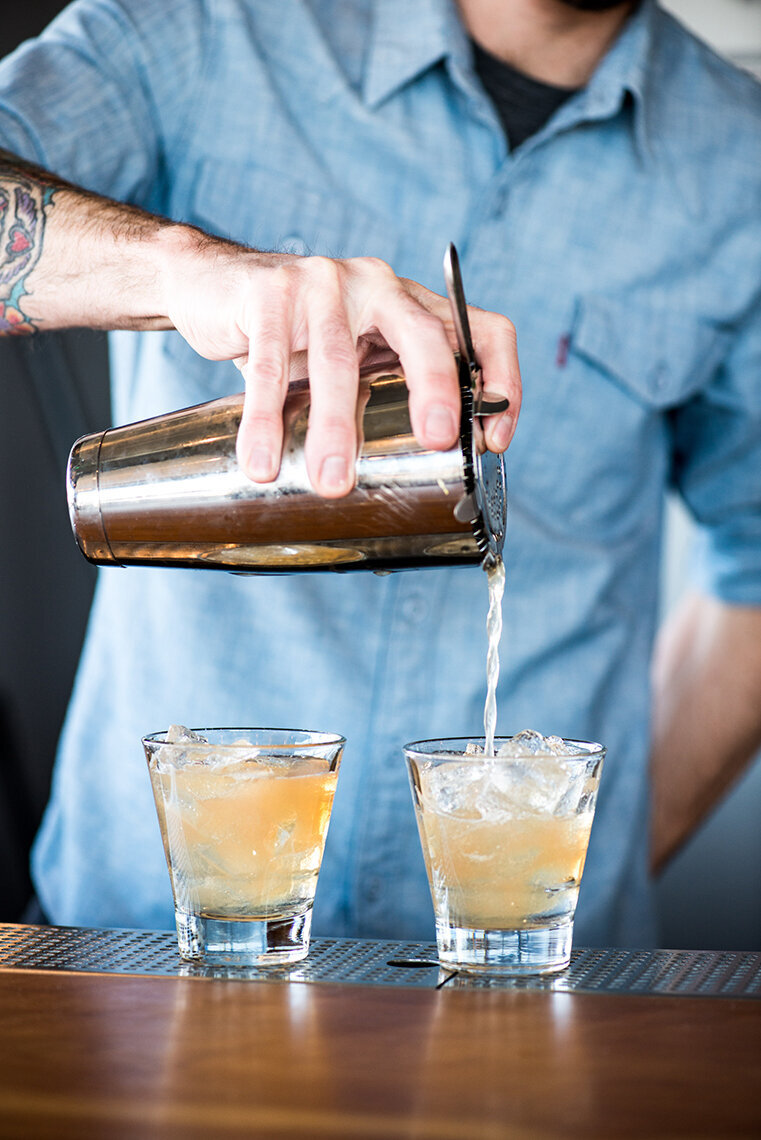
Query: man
column 601, row 202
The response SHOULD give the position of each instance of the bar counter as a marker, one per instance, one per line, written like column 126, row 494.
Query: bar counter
column 106, row 1034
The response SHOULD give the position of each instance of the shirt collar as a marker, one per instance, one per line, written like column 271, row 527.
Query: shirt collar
column 625, row 69
column 407, row 39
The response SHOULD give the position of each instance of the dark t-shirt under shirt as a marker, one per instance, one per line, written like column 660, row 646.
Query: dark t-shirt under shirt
column 523, row 104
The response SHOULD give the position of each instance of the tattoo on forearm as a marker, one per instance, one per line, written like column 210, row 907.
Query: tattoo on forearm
column 23, row 204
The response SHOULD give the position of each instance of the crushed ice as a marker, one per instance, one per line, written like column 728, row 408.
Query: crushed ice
column 540, row 780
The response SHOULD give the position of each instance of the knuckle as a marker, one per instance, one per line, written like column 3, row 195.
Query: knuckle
column 375, row 265
column 266, row 371
column 325, row 270
column 443, row 385
column 335, row 427
column 499, row 327
column 260, row 421
column 508, row 329
column 343, row 364
column 334, row 330
column 415, row 319
column 338, row 346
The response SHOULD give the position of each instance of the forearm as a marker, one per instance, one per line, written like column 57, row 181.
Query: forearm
column 706, row 714
column 71, row 258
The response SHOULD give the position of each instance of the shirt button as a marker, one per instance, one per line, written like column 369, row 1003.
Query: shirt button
column 660, row 376
column 294, row 244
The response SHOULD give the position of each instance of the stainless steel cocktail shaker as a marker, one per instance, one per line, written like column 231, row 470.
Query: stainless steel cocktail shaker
column 169, row 492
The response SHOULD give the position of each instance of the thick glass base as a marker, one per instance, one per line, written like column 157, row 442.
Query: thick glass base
column 243, row 941
column 516, row 952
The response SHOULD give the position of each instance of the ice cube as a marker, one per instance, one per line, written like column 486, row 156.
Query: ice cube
column 284, row 834
column 558, row 747
column 530, row 785
column 451, row 789
column 178, row 734
column 525, row 743
column 532, row 743
column 532, row 777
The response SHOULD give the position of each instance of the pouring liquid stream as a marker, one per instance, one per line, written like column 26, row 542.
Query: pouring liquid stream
column 496, row 580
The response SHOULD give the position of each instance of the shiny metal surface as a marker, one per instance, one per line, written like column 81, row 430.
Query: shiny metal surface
column 456, row 294
column 169, row 492
column 685, row 973
column 484, row 403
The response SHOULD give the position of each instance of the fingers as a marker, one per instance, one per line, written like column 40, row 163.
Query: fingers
column 330, row 308
column 260, row 435
column 420, row 340
column 331, row 443
column 296, row 307
column 496, row 349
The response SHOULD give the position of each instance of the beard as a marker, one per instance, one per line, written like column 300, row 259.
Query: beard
column 593, row 5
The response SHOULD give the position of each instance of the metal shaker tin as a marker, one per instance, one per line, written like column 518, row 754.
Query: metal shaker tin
column 169, row 492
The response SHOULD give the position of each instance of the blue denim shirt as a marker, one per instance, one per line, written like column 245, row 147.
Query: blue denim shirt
column 624, row 240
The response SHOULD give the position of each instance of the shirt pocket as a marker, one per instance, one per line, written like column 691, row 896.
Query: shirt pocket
column 595, row 452
column 272, row 211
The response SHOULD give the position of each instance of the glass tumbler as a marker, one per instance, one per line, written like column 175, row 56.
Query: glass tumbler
column 504, row 840
column 243, row 813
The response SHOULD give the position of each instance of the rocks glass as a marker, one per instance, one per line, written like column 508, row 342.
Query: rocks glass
column 504, row 839
column 244, row 813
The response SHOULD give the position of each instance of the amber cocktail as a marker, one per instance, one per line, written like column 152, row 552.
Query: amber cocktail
column 243, row 815
column 504, row 839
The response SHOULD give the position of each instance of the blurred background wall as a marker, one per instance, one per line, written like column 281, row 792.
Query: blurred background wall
column 732, row 27
column 51, row 387
column 710, row 896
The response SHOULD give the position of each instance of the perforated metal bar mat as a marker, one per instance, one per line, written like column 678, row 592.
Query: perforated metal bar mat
column 155, row 952
column 691, row 973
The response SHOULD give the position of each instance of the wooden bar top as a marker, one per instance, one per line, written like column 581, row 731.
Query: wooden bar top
column 99, row 1056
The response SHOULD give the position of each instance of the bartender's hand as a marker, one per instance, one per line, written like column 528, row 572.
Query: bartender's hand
column 261, row 309
column 72, row 258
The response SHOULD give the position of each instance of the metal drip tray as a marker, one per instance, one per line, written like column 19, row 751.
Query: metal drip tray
column 676, row 973
column 689, row 973
column 343, row 960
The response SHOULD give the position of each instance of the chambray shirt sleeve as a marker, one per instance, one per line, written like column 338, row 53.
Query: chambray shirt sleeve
column 99, row 95
column 717, row 448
